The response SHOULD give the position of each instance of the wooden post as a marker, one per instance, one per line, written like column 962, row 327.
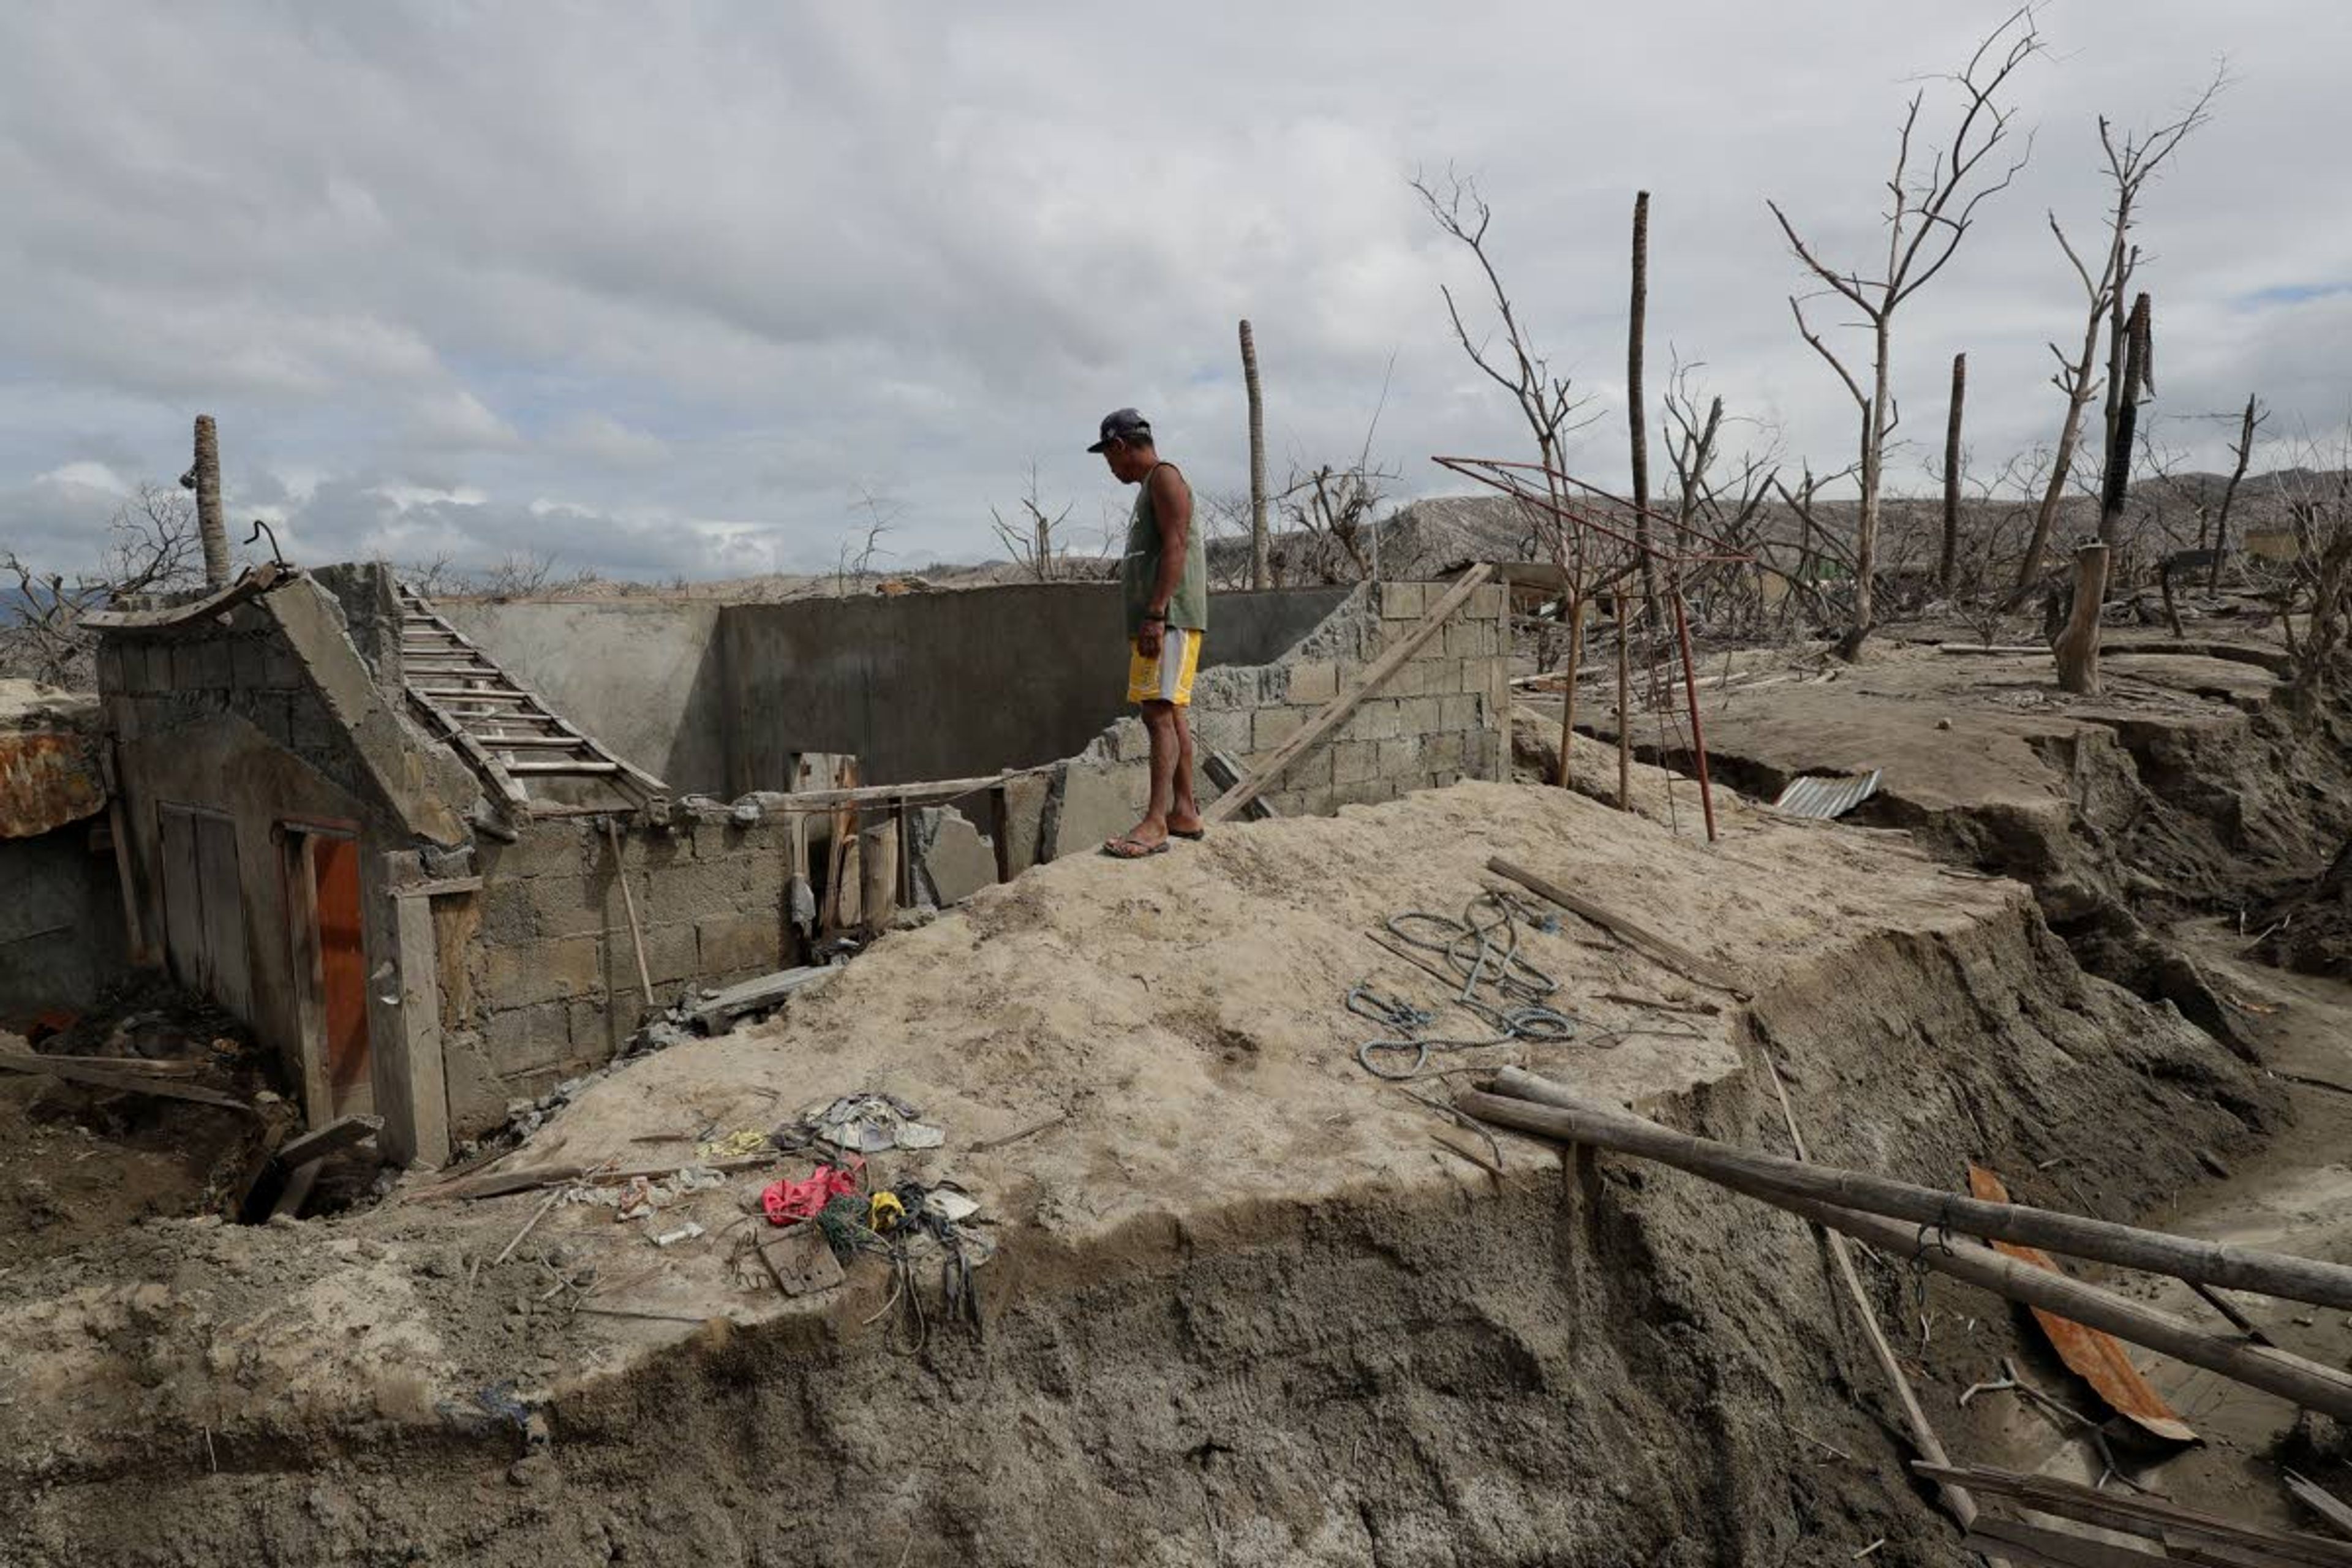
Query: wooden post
column 209, row 525
column 1625, row 709
column 1261, row 567
column 1567, row 691
column 1636, row 414
column 839, row 854
column 1949, row 566
column 877, row 875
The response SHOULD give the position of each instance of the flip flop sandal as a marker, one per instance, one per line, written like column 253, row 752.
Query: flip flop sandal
column 1133, row 849
column 1194, row 834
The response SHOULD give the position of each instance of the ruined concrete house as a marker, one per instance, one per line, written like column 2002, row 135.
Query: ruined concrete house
column 420, row 848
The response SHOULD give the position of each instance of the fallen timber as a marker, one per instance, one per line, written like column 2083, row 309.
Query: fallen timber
column 2103, row 1241
column 2290, row 1377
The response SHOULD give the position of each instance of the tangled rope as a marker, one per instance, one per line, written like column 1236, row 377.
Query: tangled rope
column 1481, row 951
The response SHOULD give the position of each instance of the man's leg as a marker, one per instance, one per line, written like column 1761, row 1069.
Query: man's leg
column 1183, row 810
column 1160, row 722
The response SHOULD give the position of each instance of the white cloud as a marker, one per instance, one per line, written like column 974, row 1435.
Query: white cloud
column 728, row 262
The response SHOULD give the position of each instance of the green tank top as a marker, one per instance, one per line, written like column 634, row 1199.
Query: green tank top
column 1141, row 569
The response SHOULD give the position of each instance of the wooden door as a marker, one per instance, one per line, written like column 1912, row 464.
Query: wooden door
column 343, row 971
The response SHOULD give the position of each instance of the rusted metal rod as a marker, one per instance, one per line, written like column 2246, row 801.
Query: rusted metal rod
column 1698, row 734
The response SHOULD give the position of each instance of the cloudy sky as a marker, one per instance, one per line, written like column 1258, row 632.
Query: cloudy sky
column 674, row 289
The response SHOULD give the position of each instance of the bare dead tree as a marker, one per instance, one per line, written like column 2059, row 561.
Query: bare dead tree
column 2243, row 448
column 2317, row 593
column 1261, row 566
column 1333, row 509
column 2132, row 161
column 882, row 515
column 1929, row 213
column 153, row 545
column 1031, row 542
column 1724, row 499
column 1548, row 404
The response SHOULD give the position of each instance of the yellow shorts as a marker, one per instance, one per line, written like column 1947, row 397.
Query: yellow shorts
column 1169, row 678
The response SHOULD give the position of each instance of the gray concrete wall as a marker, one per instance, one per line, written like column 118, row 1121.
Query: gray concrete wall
column 61, row 937
column 642, row 675
column 949, row 685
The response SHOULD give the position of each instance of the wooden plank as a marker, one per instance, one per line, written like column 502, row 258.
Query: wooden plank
column 183, row 892
column 1225, row 772
column 2151, row 1518
column 2037, row 1544
column 415, row 1111
column 333, row 1138
column 511, row 794
column 297, row 1191
column 2321, row 1502
column 1675, row 956
column 764, row 992
column 168, row 1067
column 440, row 887
column 2097, row 1359
column 253, row 585
column 584, row 769
column 226, row 963
column 1382, row 670
column 119, row 1081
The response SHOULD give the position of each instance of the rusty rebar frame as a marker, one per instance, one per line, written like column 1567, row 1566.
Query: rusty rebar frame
column 1504, row 475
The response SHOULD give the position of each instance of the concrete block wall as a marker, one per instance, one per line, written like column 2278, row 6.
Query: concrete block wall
column 1443, row 717
column 549, row 988
column 155, row 684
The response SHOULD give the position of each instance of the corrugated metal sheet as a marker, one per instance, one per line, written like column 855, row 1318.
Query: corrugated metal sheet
column 1826, row 795
column 47, row 778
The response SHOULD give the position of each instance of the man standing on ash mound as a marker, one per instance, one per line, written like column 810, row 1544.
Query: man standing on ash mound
column 1165, row 581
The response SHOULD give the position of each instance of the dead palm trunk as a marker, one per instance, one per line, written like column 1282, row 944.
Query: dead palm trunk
column 1636, row 421
column 209, row 525
column 1950, row 564
column 1261, row 569
column 2138, row 342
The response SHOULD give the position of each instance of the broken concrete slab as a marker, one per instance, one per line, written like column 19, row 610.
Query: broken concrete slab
column 1093, row 803
column 952, row 857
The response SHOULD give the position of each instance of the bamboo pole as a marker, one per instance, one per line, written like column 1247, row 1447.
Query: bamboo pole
column 2103, row 1241
column 2292, row 1378
column 629, row 903
column 1957, row 1497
